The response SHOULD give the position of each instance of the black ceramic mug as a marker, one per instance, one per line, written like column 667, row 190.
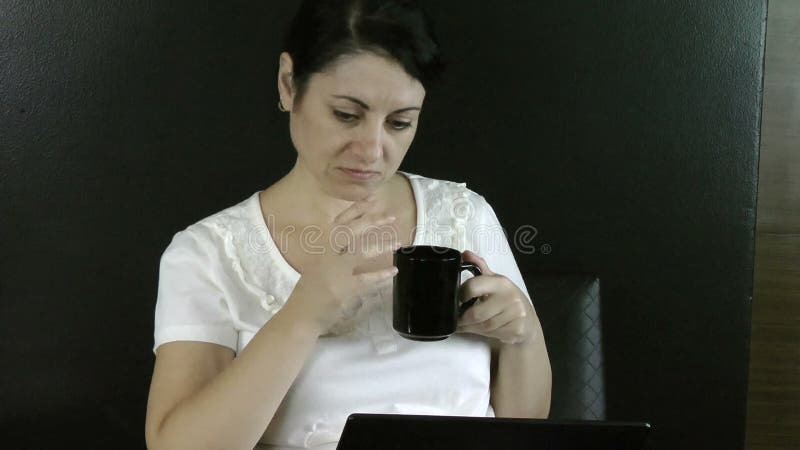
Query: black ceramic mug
column 425, row 307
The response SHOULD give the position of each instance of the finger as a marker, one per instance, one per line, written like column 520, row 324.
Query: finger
column 489, row 327
column 357, row 209
column 356, row 234
column 376, row 249
column 479, row 286
column 377, row 276
column 374, row 252
column 371, row 223
column 356, row 237
column 483, row 309
column 471, row 257
column 473, row 329
column 351, row 239
column 493, row 321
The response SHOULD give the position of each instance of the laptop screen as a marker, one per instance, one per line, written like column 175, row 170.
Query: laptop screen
column 390, row 431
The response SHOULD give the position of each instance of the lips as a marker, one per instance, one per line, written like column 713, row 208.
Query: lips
column 359, row 175
column 359, row 171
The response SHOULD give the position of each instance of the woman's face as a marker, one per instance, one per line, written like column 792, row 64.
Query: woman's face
column 361, row 114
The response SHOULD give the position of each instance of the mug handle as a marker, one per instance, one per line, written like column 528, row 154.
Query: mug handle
column 463, row 306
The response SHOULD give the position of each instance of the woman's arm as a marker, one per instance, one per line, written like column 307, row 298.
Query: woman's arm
column 201, row 397
column 521, row 379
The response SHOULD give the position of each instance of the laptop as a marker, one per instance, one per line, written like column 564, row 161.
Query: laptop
column 395, row 432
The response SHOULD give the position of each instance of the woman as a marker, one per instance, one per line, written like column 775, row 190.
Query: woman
column 271, row 329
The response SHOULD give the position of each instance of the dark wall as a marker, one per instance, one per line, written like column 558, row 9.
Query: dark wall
column 626, row 133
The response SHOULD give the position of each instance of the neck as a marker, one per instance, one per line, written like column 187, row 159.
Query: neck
column 311, row 203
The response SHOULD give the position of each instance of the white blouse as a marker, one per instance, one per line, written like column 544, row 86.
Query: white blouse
column 223, row 277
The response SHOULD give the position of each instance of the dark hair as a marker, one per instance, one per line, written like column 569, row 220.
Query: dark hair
column 322, row 31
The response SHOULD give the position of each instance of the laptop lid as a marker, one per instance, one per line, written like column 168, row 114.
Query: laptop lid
column 395, row 431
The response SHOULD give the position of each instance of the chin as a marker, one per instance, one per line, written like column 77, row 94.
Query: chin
column 356, row 191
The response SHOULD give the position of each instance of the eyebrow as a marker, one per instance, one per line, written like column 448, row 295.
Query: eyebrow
column 366, row 107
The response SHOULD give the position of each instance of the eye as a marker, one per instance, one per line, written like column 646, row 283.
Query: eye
column 399, row 124
column 344, row 117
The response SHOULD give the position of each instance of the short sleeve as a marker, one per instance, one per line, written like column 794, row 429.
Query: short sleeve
column 491, row 243
column 190, row 305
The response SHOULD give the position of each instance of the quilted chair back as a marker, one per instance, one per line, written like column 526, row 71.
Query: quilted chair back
column 568, row 306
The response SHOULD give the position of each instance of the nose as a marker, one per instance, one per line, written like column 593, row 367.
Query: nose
column 369, row 142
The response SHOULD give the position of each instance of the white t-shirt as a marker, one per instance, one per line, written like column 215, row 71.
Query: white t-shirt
column 223, row 277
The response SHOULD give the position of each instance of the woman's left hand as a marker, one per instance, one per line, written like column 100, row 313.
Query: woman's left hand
column 503, row 311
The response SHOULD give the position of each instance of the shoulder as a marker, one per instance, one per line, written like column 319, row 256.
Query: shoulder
column 440, row 187
column 449, row 198
column 452, row 213
column 211, row 232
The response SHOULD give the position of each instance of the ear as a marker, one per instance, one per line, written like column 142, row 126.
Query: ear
column 286, row 89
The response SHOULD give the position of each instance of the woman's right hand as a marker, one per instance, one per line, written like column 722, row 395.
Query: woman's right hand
column 333, row 288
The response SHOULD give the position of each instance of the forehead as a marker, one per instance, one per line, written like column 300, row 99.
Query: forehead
column 378, row 81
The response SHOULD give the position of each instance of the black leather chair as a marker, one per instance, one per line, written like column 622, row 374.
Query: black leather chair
column 568, row 306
